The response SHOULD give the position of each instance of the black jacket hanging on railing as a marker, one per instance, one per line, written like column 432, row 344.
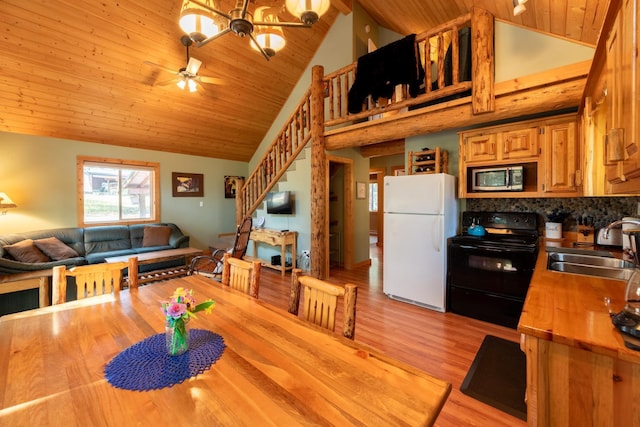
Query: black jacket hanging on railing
column 380, row 71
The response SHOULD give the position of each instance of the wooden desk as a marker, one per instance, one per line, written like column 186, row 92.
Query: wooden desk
column 276, row 238
column 153, row 257
column 276, row 369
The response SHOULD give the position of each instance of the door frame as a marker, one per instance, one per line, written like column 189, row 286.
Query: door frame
column 380, row 174
column 349, row 196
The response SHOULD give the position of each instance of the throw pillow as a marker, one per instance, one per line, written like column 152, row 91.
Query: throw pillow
column 26, row 251
column 56, row 250
column 156, row 235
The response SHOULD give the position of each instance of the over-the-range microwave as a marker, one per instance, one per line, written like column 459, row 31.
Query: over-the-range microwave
column 506, row 178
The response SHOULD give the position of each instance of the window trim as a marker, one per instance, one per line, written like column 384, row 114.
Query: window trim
column 155, row 206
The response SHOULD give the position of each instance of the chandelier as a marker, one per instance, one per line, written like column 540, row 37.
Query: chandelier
column 203, row 22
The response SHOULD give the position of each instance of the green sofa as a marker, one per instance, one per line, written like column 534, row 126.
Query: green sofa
column 88, row 245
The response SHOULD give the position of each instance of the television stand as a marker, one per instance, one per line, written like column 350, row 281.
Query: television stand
column 276, row 238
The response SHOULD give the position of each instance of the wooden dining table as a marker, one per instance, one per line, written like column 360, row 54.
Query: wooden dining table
column 275, row 369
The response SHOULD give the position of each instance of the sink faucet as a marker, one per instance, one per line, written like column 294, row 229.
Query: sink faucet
column 617, row 223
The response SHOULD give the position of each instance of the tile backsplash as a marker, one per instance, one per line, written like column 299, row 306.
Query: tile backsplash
column 604, row 210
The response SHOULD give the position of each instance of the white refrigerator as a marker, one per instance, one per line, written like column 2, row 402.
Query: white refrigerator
column 420, row 213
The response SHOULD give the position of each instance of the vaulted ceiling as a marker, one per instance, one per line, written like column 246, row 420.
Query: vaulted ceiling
column 74, row 69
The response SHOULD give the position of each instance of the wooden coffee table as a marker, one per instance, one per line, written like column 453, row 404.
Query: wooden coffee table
column 153, row 257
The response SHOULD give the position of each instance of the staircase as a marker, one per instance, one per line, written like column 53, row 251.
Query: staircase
column 291, row 140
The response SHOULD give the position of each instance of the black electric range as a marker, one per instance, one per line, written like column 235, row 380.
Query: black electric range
column 488, row 276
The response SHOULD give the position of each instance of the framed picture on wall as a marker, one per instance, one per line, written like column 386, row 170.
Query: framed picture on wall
column 361, row 190
column 230, row 186
column 187, row 184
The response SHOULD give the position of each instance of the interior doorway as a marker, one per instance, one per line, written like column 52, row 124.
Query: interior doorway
column 376, row 206
column 339, row 217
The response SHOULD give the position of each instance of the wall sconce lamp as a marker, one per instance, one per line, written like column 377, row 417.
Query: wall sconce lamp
column 5, row 203
column 518, row 7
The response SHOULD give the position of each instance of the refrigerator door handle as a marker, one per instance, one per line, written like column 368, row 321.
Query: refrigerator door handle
column 438, row 236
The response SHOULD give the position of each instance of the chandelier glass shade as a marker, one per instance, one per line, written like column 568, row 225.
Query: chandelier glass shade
column 307, row 10
column 196, row 21
column 203, row 22
column 270, row 39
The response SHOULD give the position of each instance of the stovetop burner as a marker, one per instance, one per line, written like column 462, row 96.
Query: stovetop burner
column 503, row 229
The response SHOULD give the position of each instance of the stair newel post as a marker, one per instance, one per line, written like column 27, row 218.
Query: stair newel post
column 319, row 184
column 240, row 205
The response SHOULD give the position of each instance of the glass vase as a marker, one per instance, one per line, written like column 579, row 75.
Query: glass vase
column 176, row 336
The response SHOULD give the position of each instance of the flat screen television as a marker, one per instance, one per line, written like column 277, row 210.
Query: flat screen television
column 280, row 202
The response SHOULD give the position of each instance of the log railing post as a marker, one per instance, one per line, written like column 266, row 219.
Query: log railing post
column 319, row 212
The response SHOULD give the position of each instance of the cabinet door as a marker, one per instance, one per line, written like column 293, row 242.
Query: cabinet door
column 480, row 148
column 520, row 143
column 561, row 157
column 630, row 102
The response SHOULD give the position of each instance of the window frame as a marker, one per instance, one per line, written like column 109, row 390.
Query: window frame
column 118, row 163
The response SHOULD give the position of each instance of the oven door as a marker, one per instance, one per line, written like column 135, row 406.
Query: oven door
column 500, row 271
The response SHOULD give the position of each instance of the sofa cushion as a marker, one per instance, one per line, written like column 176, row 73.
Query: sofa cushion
column 106, row 238
column 55, row 249
column 156, row 235
column 26, row 251
column 99, row 257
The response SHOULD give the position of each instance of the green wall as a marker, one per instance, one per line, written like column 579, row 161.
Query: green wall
column 39, row 174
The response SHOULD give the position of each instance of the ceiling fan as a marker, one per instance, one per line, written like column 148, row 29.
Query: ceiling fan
column 187, row 77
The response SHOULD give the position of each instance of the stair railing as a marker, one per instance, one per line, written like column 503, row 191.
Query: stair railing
column 291, row 140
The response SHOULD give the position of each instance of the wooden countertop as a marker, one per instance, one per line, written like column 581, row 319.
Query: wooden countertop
column 275, row 370
column 570, row 309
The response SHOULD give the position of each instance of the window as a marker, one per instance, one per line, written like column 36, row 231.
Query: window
column 373, row 197
column 117, row 191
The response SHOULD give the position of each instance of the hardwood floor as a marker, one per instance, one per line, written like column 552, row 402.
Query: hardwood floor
column 442, row 344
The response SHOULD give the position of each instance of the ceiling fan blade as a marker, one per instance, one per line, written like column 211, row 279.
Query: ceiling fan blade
column 193, row 65
column 210, row 80
column 162, row 67
column 168, row 82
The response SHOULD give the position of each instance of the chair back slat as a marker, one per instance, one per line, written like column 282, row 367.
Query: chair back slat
column 320, row 302
column 91, row 280
column 241, row 275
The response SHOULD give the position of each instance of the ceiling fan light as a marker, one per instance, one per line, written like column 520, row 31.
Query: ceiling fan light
column 181, row 84
column 309, row 11
column 197, row 22
column 192, row 85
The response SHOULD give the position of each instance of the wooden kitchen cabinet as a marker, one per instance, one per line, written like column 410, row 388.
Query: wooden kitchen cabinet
column 561, row 158
column 496, row 145
column 546, row 148
column 570, row 386
column 622, row 152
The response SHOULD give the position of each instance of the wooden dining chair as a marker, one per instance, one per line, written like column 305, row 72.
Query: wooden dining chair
column 241, row 275
column 91, row 280
column 320, row 302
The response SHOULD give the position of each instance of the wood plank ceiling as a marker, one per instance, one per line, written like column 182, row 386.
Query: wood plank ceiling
column 74, row 69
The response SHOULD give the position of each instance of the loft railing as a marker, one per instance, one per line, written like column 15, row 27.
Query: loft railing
column 432, row 46
column 295, row 134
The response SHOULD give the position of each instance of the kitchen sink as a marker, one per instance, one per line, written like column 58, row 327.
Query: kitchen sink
column 590, row 265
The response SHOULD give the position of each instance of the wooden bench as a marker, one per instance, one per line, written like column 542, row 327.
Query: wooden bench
column 135, row 260
column 23, row 281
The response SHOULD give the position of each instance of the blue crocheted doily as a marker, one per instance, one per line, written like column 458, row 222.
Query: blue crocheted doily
column 147, row 366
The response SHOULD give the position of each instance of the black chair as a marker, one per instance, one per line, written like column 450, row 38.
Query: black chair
column 211, row 265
